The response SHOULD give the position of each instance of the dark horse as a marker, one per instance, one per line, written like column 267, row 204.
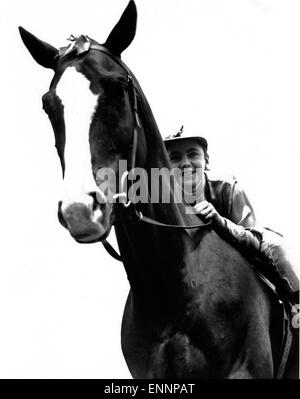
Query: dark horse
column 195, row 309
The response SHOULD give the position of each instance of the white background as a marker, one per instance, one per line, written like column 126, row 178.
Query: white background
column 228, row 70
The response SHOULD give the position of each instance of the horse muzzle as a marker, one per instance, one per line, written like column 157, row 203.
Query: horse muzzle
column 87, row 218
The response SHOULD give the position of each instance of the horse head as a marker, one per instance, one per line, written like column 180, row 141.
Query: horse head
column 90, row 106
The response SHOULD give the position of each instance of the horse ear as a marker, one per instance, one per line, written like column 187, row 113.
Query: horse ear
column 43, row 53
column 123, row 33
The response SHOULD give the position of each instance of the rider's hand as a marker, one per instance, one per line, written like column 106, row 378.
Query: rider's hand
column 208, row 211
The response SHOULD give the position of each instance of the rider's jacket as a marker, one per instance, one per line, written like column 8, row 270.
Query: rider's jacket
column 229, row 199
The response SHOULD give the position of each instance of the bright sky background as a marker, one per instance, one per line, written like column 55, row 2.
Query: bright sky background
column 228, row 70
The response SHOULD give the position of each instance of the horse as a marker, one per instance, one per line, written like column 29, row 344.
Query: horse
column 196, row 309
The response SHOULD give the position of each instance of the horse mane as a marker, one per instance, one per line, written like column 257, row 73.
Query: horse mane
column 157, row 157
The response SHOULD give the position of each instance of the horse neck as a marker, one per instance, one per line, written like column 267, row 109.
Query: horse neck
column 154, row 256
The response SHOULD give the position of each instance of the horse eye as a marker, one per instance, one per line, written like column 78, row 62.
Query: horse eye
column 112, row 148
column 51, row 103
column 45, row 102
column 115, row 88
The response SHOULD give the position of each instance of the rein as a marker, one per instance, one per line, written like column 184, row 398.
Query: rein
column 84, row 46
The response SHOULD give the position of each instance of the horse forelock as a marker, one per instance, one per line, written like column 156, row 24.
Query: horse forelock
column 78, row 44
column 54, row 108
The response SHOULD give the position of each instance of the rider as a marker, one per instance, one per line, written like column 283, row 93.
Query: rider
column 225, row 203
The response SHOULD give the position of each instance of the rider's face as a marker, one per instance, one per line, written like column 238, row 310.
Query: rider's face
column 189, row 157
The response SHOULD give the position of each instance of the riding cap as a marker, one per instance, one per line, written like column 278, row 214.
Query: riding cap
column 177, row 136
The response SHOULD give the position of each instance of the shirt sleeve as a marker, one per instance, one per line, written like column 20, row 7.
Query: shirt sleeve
column 241, row 211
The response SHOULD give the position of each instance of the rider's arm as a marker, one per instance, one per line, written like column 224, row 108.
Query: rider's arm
column 241, row 211
column 238, row 225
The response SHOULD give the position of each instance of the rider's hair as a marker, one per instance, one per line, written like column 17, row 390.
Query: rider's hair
column 206, row 159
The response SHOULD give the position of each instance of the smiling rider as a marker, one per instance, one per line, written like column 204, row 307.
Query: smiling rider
column 226, row 204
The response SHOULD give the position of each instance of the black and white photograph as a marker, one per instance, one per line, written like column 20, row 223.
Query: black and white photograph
column 150, row 166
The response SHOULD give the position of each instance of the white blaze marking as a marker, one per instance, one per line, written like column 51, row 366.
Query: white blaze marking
column 79, row 105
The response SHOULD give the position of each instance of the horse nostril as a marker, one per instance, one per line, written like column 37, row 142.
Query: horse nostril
column 98, row 199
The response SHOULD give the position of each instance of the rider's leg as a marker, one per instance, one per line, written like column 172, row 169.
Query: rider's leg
column 270, row 248
column 274, row 247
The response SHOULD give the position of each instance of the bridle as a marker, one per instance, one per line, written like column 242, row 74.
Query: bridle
column 86, row 45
